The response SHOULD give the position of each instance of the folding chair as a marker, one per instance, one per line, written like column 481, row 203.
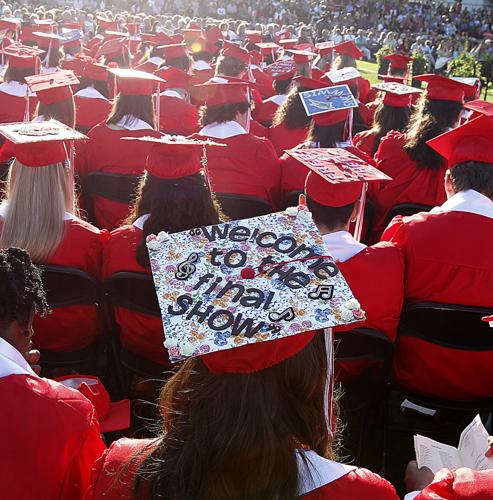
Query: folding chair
column 406, row 209
column 238, row 206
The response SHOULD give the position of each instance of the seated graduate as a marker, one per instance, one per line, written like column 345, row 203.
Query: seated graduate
column 40, row 215
column 447, row 261
column 173, row 196
column 47, row 429
column 241, row 421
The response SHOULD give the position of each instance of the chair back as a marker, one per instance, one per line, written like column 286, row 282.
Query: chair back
column 292, row 199
column 238, row 207
column 406, row 209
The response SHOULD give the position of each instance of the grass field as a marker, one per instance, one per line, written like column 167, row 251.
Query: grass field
column 369, row 70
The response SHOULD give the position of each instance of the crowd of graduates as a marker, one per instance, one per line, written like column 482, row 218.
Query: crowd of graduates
column 138, row 133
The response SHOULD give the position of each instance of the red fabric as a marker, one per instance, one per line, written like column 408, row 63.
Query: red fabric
column 365, row 141
column 258, row 130
column 76, row 65
column 461, row 484
column 50, row 431
column 283, row 138
column 366, row 114
column 356, row 485
column 140, row 333
column 265, row 111
column 293, row 173
column 105, row 152
column 363, row 89
column 12, row 108
column 409, row 184
column 264, row 82
column 90, row 112
column 247, row 166
column 178, row 116
column 444, row 266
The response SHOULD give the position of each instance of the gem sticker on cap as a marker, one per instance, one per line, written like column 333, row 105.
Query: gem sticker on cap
column 245, row 282
column 24, row 133
column 396, row 88
column 328, row 99
column 280, row 68
column 343, row 75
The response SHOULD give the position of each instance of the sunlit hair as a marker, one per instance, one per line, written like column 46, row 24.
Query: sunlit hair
column 138, row 106
column 230, row 66
column 63, row 111
column 344, row 61
column 37, row 201
column 291, row 112
column 18, row 74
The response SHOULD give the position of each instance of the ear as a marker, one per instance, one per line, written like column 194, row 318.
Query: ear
column 354, row 213
column 302, row 200
column 449, row 187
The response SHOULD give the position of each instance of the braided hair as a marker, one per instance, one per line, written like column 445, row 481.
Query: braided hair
column 21, row 288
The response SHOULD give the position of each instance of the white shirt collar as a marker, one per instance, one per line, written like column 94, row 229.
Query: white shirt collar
column 12, row 362
column 129, row 122
column 201, row 65
column 279, row 99
column 48, row 70
column 90, row 93
column 223, row 130
column 342, row 246
column 469, row 201
column 315, row 471
column 155, row 60
column 171, row 93
column 139, row 223
column 16, row 89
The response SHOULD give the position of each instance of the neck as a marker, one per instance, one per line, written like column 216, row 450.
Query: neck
column 326, row 230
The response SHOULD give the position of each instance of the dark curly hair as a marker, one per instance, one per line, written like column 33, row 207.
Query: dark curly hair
column 21, row 288
column 291, row 111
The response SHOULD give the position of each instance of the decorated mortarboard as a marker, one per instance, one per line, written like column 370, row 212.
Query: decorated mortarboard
column 111, row 416
column 52, row 87
column 246, row 295
column 343, row 75
column 397, row 94
column 267, row 46
column 174, row 50
column 175, row 157
column 472, row 141
column 329, row 105
column 134, row 82
column 47, row 40
column 441, row 88
column 480, row 107
column 71, row 38
column 281, row 70
column 38, row 144
column 348, row 48
column 398, row 61
column 325, row 48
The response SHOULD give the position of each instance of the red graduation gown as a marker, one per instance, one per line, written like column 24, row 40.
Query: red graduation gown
column 283, row 138
column 76, row 65
column 12, row 107
column 106, row 152
column 365, row 141
column 447, row 260
column 50, row 438
column 177, row 116
column 247, row 166
column 355, row 485
column 409, row 184
column 264, row 112
column 461, row 484
column 257, row 129
column 90, row 111
column 139, row 333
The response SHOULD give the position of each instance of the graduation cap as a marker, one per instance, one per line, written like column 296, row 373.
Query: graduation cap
column 325, row 48
column 472, row 141
column 53, row 87
column 174, row 50
column 346, row 75
column 301, row 56
column 39, row 144
column 393, row 78
column 134, row 82
column 115, row 35
column 255, row 57
column 253, row 36
column 213, row 35
column 267, row 48
column 72, row 26
column 309, row 83
column 247, row 295
column 441, row 88
column 220, row 94
column 397, row 94
column 329, row 105
column 111, row 416
column 399, row 61
column 288, row 43
column 71, row 38
column 235, row 51
column 111, row 48
column 190, row 34
column 107, row 24
column 10, row 24
column 133, row 28
column 348, row 48
column 95, row 71
column 45, row 26
column 174, row 78
column 281, row 70
column 474, row 85
column 22, row 56
column 174, row 157
column 46, row 41
column 480, row 107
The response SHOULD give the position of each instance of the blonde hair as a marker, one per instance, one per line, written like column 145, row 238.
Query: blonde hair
column 37, row 201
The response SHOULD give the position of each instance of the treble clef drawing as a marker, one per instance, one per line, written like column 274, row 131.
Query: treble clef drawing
column 186, row 268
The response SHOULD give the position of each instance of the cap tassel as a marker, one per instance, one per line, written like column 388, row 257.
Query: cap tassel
column 329, row 381
column 360, row 217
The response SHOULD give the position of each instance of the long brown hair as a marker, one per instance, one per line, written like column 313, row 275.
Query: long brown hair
column 138, row 106
column 230, row 66
column 291, row 112
column 63, row 111
column 344, row 61
column 235, row 436
column 430, row 119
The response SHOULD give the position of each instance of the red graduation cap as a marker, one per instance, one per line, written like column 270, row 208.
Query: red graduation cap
column 39, row 144
column 53, row 87
column 399, row 61
column 72, row 43
column 114, row 35
column 397, row 94
column 301, row 56
column 173, row 158
column 190, row 35
column 309, row 83
column 111, row 416
column 325, row 48
column 111, row 48
column 348, row 48
column 472, row 141
column 10, row 24
column 173, row 51
column 255, row 57
column 480, row 107
column 336, row 176
column 134, row 82
column 235, row 51
column 344, row 75
column 133, row 28
column 107, row 24
column 45, row 26
column 281, row 70
column 214, row 34
column 441, row 88
column 288, row 43
column 72, row 26
column 267, row 48
column 174, row 78
column 393, row 78
column 220, row 94
column 253, row 36
column 95, row 71
column 22, row 56
column 47, row 40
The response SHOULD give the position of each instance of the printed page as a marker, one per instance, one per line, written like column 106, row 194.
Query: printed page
column 435, row 455
column 473, row 445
